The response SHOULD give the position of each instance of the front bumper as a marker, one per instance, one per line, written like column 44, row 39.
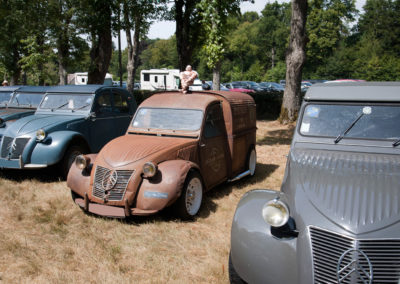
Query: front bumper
column 110, row 211
column 19, row 164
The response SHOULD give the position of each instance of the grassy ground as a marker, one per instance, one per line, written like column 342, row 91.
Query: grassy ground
column 45, row 238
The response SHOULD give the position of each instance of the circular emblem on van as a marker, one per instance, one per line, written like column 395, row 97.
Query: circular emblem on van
column 109, row 180
column 354, row 266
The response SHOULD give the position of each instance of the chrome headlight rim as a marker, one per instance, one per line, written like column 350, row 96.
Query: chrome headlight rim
column 40, row 134
column 276, row 213
column 149, row 169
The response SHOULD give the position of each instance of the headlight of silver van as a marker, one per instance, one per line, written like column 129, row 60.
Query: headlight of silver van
column 275, row 213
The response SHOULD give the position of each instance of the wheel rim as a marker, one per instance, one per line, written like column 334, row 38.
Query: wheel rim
column 194, row 195
column 252, row 162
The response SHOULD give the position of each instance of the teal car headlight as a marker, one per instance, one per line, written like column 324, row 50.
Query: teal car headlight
column 40, row 135
column 149, row 169
column 275, row 213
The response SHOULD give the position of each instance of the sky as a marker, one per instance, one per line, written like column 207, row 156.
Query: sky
column 165, row 29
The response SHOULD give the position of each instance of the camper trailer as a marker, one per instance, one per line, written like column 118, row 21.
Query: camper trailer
column 159, row 79
column 81, row 78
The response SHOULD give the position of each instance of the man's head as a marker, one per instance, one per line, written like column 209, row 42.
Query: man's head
column 5, row 83
column 188, row 68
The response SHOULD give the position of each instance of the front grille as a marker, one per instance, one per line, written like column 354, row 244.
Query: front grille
column 328, row 247
column 118, row 191
column 13, row 147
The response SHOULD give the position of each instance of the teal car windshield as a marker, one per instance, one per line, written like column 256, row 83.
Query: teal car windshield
column 66, row 102
column 375, row 121
column 168, row 119
column 26, row 100
column 5, row 97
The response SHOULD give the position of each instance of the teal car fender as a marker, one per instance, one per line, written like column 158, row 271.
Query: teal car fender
column 51, row 150
column 165, row 187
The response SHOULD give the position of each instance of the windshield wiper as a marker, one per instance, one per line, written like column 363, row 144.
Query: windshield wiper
column 81, row 107
column 53, row 109
column 396, row 143
column 341, row 135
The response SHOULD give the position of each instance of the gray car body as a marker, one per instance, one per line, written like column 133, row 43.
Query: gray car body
column 349, row 190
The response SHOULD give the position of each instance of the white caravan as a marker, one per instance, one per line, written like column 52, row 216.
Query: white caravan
column 81, row 78
column 159, row 79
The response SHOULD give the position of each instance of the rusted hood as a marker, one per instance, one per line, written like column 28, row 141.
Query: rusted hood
column 358, row 191
column 130, row 148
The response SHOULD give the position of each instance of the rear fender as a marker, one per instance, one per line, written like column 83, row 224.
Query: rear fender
column 165, row 187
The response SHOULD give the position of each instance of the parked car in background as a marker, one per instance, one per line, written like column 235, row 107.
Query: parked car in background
column 238, row 87
column 22, row 101
column 207, row 85
column 305, row 85
column 337, row 216
column 254, row 86
column 272, row 86
column 69, row 121
column 177, row 147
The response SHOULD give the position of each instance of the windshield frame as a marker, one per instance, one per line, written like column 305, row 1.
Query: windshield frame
column 133, row 128
column 333, row 137
column 25, row 105
column 67, row 110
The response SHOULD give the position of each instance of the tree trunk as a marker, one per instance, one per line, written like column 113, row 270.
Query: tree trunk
column 216, row 77
column 133, row 48
column 295, row 59
column 101, row 51
column 184, row 40
column 16, row 68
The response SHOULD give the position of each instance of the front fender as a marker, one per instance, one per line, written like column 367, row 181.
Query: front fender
column 257, row 256
column 51, row 150
column 165, row 187
column 79, row 180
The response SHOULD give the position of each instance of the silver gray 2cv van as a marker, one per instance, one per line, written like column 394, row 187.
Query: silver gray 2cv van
column 337, row 216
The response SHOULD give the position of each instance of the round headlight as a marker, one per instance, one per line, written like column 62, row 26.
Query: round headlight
column 149, row 169
column 81, row 162
column 275, row 213
column 40, row 135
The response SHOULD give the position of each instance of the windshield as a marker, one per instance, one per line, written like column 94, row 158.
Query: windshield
column 378, row 121
column 168, row 119
column 67, row 102
column 26, row 100
column 5, row 97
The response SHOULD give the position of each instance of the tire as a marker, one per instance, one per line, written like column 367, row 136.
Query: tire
column 234, row 278
column 69, row 157
column 189, row 203
column 252, row 161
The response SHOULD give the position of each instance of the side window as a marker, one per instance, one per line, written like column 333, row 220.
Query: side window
column 146, row 77
column 103, row 103
column 214, row 125
column 120, row 103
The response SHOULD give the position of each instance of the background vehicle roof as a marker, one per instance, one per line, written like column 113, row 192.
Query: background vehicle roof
column 355, row 91
column 87, row 89
column 194, row 100
column 9, row 88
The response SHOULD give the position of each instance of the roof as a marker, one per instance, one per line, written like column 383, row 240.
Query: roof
column 34, row 89
column 87, row 89
column 195, row 99
column 355, row 91
column 9, row 88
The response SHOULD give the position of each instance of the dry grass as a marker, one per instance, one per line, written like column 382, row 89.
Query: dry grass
column 45, row 238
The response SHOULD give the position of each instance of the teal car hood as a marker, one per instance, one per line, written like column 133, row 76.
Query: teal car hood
column 34, row 122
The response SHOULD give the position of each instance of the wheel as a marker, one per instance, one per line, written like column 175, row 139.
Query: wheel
column 69, row 157
column 234, row 278
column 188, row 204
column 252, row 161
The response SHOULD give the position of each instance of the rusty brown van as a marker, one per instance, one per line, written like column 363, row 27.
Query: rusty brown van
column 176, row 148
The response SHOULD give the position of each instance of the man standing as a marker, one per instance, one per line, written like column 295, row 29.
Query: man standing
column 187, row 78
column 5, row 83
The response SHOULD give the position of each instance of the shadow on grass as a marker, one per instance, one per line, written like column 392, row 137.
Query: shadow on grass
column 46, row 175
column 278, row 137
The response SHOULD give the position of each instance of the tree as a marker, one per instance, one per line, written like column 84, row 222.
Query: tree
column 188, row 30
column 295, row 58
column 214, row 19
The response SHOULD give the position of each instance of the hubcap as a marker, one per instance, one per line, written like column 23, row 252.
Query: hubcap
column 194, row 195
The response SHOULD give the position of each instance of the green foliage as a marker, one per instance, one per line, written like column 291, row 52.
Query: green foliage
column 276, row 73
column 160, row 54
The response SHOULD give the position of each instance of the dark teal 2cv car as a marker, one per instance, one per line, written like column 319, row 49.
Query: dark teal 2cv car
column 17, row 102
column 70, row 120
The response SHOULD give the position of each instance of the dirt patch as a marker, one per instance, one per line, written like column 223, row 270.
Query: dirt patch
column 46, row 238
